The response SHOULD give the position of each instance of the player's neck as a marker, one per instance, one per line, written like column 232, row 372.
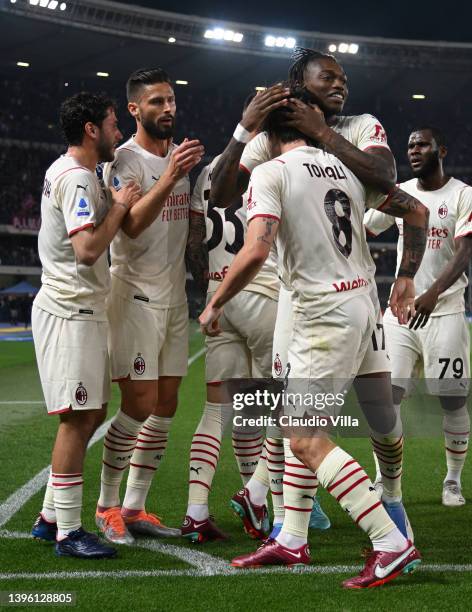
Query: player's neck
column 84, row 156
column 155, row 146
column 288, row 146
column 434, row 182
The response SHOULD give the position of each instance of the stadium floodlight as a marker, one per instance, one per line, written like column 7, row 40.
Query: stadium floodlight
column 221, row 34
column 12, row 1
column 53, row 5
column 62, row 6
column 332, row 48
column 23, row 64
column 353, row 48
column 43, row 3
column 418, row 97
column 343, row 48
column 260, row 88
column 280, row 41
column 181, row 82
column 103, row 74
column 171, row 39
column 34, row 2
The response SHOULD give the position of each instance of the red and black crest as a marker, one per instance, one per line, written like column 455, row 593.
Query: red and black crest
column 277, row 365
column 81, row 394
column 139, row 365
column 442, row 211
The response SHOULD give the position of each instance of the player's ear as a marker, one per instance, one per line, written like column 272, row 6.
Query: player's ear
column 133, row 109
column 90, row 129
column 442, row 151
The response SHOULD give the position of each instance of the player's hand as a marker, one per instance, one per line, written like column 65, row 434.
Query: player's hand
column 127, row 196
column 402, row 299
column 184, row 157
column 424, row 306
column 261, row 105
column 307, row 118
column 209, row 321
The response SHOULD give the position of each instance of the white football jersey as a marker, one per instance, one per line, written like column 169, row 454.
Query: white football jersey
column 72, row 200
column 363, row 131
column 450, row 217
column 321, row 238
column 150, row 267
column 225, row 234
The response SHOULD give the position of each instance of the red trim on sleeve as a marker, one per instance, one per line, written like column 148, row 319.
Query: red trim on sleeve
column 377, row 146
column 264, row 215
column 79, row 229
column 243, row 167
column 280, row 161
column 69, row 169
column 196, row 212
column 463, row 235
column 367, row 231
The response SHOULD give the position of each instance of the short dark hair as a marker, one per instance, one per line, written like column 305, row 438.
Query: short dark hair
column 144, row 76
column 302, row 57
column 275, row 122
column 81, row 108
column 436, row 133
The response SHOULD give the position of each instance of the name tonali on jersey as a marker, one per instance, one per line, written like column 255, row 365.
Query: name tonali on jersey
column 450, row 217
column 225, row 234
column 321, row 240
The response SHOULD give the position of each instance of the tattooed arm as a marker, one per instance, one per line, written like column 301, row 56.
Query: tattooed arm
column 196, row 253
column 415, row 230
column 247, row 263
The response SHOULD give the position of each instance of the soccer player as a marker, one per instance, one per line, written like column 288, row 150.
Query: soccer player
column 315, row 206
column 242, row 351
column 361, row 143
column 79, row 220
column 438, row 334
column 147, row 306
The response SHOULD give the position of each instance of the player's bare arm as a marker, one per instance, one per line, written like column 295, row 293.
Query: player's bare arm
column 90, row 243
column 247, row 263
column 426, row 302
column 415, row 228
column 196, row 253
column 375, row 167
column 228, row 180
column 148, row 208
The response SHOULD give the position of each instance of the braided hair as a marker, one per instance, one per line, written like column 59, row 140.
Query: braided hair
column 302, row 57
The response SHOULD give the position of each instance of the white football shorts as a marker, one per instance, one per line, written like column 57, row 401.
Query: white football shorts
column 244, row 347
column 443, row 347
column 73, row 362
column 375, row 360
column 146, row 343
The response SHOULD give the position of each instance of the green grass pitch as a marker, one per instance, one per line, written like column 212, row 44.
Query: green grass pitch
column 443, row 535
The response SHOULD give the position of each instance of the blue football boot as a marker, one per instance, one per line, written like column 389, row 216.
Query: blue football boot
column 397, row 513
column 84, row 545
column 44, row 530
column 318, row 519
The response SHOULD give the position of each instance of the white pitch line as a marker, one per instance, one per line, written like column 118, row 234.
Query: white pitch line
column 206, row 564
column 309, row 569
column 20, row 402
column 19, row 498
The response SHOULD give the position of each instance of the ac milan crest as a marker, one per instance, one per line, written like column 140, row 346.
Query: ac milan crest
column 81, row 394
column 139, row 365
column 442, row 211
column 277, row 365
